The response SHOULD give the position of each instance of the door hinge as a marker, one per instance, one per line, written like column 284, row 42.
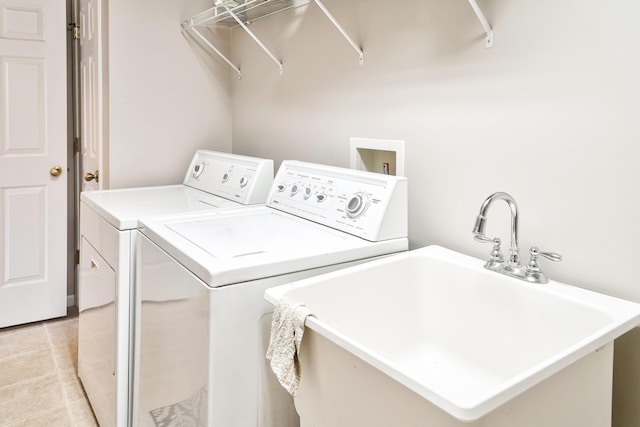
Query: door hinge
column 77, row 257
column 76, row 30
column 76, row 144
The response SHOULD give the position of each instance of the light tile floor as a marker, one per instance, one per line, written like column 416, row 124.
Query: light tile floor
column 39, row 385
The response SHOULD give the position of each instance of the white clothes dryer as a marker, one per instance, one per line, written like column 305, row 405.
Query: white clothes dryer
column 204, row 324
column 108, row 220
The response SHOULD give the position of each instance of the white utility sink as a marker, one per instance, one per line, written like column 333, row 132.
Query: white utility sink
column 462, row 341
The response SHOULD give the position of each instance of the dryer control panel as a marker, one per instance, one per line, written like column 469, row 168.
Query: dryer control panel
column 243, row 179
column 368, row 205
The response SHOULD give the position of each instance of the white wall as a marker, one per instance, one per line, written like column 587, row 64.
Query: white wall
column 550, row 115
column 167, row 96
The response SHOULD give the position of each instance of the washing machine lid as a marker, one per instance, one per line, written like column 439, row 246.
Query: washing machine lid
column 240, row 245
column 123, row 207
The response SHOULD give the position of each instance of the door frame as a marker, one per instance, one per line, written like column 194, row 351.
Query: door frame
column 73, row 155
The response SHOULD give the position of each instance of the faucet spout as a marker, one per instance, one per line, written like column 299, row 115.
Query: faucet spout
column 481, row 222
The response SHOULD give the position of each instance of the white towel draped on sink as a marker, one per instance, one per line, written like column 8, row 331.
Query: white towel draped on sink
column 287, row 329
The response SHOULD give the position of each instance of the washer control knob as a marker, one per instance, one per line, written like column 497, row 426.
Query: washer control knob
column 294, row 189
column 356, row 205
column 282, row 187
column 321, row 197
column 244, row 181
column 197, row 170
column 307, row 192
column 225, row 177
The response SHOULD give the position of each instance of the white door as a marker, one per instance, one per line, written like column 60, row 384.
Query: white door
column 90, row 17
column 33, row 156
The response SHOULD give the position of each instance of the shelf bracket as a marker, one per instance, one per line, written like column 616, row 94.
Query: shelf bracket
column 255, row 38
column 488, row 41
column 220, row 54
column 342, row 31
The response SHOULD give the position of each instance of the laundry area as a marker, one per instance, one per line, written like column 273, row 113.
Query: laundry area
column 285, row 213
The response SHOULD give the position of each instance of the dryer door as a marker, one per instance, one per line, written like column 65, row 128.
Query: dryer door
column 171, row 365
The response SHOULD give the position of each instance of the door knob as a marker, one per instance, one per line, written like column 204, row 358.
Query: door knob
column 91, row 176
column 55, row 171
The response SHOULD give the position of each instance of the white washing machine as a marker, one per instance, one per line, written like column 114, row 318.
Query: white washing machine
column 108, row 220
column 204, row 324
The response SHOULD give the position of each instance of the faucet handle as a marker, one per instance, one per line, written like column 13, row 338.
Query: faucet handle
column 496, row 259
column 482, row 238
column 533, row 271
column 535, row 252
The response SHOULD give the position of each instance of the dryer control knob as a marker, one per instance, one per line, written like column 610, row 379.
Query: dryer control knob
column 294, row 189
column 225, row 177
column 244, row 181
column 356, row 205
column 321, row 197
column 197, row 170
column 282, row 187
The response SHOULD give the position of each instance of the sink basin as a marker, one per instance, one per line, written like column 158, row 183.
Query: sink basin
column 462, row 338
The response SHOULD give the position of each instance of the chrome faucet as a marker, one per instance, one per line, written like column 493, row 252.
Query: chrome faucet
column 481, row 222
column 531, row 272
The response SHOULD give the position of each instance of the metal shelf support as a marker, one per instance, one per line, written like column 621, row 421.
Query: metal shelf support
column 488, row 42
column 342, row 30
column 212, row 47
column 239, row 12
column 255, row 38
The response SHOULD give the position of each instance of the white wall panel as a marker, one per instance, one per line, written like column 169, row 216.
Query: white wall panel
column 167, row 95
